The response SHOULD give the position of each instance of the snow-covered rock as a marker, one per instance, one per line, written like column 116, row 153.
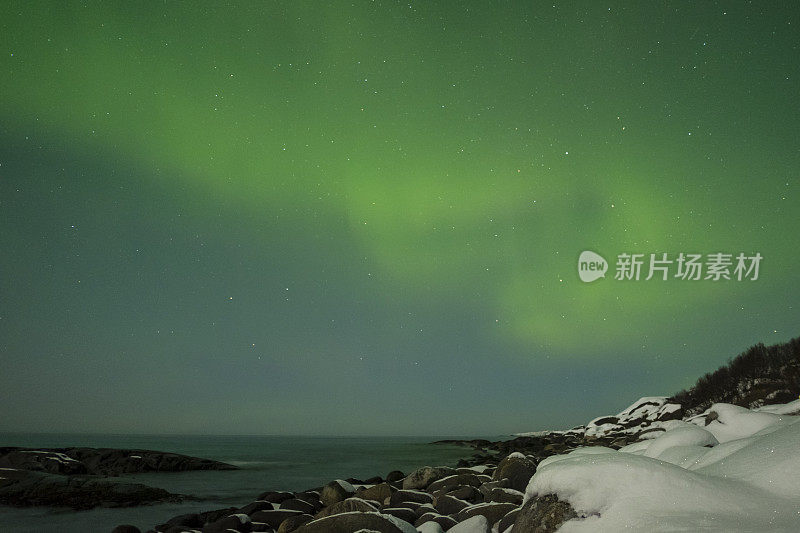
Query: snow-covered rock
column 740, row 472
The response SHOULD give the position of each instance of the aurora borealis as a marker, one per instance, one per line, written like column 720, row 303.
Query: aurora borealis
column 365, row 218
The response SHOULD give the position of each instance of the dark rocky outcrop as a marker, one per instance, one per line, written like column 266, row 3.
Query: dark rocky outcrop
column 543, row 514
column 102, row 461
column 26, row 488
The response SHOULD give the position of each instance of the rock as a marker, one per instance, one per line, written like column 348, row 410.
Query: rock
column 543, row 514
column 237, row 522
column 259, row 505
column 422, row 477
column 451, row 482
column 274, row 517
column 381, row 493
column 350, row 522
column 507, row 521
column 487, row 488
column 517, row 468
column 216, row 514
column 27, row 488
column 298, row 505
column 102, row 461
column 294, row 522
column 346, row 506
column 395, row 475
column 125, row 528
column 446, row 522
column 505, row 496
column 336, row 491
column 311, row 497
column 403, row 513
column 424, row 508
column 409, row 505
column 273, row 496
column 467, row 493
column 492, row 511
column 191, row 520
column 449, row 505
column 430, row 527
column 410, row 496
column 476, row 524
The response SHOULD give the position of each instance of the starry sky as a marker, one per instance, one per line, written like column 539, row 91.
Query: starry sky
column 364, row 218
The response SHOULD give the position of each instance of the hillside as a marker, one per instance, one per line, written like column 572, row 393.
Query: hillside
column 761, row 375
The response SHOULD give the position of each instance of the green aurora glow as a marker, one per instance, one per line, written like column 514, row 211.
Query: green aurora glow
column 381, row 200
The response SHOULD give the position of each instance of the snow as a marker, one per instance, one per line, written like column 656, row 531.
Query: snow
column 683, row 436
column 476, row 524
column 587, row 450
column 740, row 473
column 736, row 422
column 57, row 456
column 791, row 408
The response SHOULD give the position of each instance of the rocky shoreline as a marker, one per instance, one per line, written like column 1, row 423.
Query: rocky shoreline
column 493, row 490
column 475, row 495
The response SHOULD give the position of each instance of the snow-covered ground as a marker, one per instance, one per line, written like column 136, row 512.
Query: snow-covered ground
column 728, row 469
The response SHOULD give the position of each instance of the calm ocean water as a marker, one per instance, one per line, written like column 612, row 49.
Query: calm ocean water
column 267, row 463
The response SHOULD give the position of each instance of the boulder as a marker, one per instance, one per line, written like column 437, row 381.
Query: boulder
column 252, row 507
column 294, row 522
column 492, row 511
column 467, row 493
column 273, row 518
column 336, row 491
column 517, row 468
column 402, row 513
column 543, row 514
column 298, row 505
column 380, row 493
column 449, row 504
column 505, row 496
column 425, row 508
column 350, row 522
column 395, row 475
column 275, row 496
column 450, row 482
column 346, row 506
column 430, row 527
column 237, row 522
column 508, row 520
column 416, row 496
column 422, row 477
column 476, row 524
column 446, row 522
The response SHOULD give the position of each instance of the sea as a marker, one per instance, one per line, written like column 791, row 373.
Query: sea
column 265, row 462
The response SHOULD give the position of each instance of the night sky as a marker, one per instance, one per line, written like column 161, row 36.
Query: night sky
column 365, row 218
